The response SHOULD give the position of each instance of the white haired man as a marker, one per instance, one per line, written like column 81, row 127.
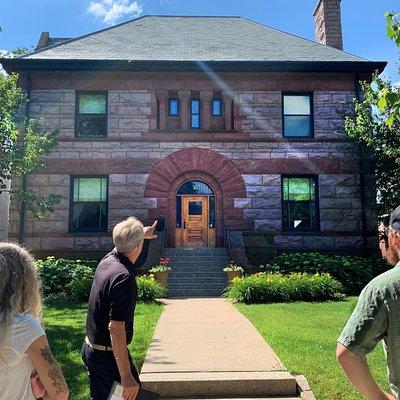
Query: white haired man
column 375, row 318
column 109, row 322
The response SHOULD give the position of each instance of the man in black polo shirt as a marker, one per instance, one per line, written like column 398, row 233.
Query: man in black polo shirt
column 109, row 322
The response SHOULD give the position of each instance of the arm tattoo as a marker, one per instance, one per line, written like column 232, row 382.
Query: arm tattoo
column 47, row 355
column 58, row 380
column 55, row 373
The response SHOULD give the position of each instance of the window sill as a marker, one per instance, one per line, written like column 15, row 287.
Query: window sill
column 90, row 137
column 298, row 137
column 85, row 234
column 301, row 233
column 193, row 134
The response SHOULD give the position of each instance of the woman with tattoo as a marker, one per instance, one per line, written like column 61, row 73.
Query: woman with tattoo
column 27, row 366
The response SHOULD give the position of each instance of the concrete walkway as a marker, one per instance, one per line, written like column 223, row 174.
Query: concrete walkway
column 203, row 347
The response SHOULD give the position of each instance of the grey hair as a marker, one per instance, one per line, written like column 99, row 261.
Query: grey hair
column 127, row 235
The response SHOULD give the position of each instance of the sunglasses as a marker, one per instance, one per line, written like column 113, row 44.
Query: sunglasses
column 384, row 234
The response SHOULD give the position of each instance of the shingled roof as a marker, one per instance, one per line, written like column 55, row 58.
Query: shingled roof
column 173, row 38
column 225, row 41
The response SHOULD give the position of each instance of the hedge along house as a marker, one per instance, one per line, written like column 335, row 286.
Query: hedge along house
column 214, row 123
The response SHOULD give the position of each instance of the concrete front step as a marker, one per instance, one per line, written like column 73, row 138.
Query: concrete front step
column 209, row 267
column 198, row 263
column 184, row 284
column 197, row 272
column 198, row 285
column 206, row 256
column 193, row 293
column 196, row 275
column 220, row 384
column 237, row 398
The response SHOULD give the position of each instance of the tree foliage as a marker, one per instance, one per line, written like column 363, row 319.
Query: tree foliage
column 22, row 146
column 376, row 126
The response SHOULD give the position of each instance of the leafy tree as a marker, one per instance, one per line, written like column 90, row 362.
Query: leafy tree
column 22, row 147
column 376, row 126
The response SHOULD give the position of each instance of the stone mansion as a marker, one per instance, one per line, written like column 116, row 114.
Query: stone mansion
column 214, row 123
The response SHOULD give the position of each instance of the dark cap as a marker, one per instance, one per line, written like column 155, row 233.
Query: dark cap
column 395, row 219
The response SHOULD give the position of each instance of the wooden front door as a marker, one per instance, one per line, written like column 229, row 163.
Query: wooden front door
column 195, row 221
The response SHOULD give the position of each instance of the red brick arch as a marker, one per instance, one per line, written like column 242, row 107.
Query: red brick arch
column 214, row 169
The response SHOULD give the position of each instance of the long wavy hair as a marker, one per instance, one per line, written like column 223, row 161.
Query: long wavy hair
column 19, row 287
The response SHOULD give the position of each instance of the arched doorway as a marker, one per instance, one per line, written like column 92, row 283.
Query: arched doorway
column 209, row 166
column 195, row 215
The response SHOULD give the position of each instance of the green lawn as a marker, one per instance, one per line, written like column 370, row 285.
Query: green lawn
column 304, row 337
column 65, row 328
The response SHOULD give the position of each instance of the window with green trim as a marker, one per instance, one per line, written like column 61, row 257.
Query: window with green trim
column 300, row 203
column 88, row 204
column 91, row 114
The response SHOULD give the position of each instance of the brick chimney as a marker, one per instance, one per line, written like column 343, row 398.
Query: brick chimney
column 44, row 38
column 328, row 25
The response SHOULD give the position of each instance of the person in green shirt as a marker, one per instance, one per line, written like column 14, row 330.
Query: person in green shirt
column 376, row 318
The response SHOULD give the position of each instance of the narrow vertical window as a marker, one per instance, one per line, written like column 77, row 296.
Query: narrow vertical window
column 173, row 107
column 297, row 115
column 91, row 114
column 216, row 108
column 195, row 114
column 89, row 204
column 300, row 203
column 178, row 211
column 211, row 207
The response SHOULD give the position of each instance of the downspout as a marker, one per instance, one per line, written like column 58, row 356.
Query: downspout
column 22, row 209
column 362, row 177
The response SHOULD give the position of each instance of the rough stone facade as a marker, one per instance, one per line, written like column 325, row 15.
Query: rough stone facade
column 144, row 163
column 4, row 212
column 128, row 113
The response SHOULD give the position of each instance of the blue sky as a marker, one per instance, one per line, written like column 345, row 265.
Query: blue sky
column 363, row 21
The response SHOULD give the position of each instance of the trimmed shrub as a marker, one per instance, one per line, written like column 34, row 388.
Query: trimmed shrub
column 81, row 282
column 148, row 288
column 71, row 280
column 65, row 279
column 353, row 272
column 265, row 287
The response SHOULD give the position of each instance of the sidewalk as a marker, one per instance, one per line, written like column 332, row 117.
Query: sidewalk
column 205, row 347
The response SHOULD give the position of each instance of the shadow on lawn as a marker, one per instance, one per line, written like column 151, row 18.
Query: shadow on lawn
column 65, row 330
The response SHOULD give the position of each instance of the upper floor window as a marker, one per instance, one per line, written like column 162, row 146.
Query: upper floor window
column 300, row 203
column 216, row 107
column 91, row 114
column 88, row 204
column 173, row 107
column 195, row 113
column 297, row 115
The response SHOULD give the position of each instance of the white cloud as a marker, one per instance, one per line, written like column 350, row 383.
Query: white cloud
column 112, row 10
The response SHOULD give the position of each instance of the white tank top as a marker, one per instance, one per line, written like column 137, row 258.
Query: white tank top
column 16, row 368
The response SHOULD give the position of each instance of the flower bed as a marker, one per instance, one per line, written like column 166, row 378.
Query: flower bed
column 353, row 272
column 276, row 287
